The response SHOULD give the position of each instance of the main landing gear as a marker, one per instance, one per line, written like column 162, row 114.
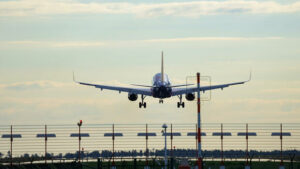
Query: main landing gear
column 180, row 103
column 142, row 104
column 161, row 101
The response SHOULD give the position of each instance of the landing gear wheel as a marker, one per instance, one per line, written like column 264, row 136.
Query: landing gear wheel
column 180, row 103
column 142, row 104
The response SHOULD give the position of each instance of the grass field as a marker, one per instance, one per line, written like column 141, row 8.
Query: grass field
column 156, row 165
column 207, row 165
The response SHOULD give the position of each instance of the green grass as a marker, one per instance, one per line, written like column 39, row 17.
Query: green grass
column 208, row 164
column 254, row 165
column 141, row 164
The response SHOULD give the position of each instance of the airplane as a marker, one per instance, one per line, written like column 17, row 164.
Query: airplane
column 161, row 88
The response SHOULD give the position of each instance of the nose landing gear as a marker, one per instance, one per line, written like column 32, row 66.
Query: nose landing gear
column 180, row 103
column 142, row 104
column 161, row 101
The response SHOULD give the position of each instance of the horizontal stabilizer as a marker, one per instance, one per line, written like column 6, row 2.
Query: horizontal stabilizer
column 141, row 85
column 182, row 85
column 169, row 86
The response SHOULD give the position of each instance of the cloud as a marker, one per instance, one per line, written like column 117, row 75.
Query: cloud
column 253, row 101
column 32, row 85
column 282, row 91
column 45, row 84
column 253, row 110
column 264, row 106
column 77, row 44
column 212, row 39
column 186, row 9
column 63, row 44
column 55, row 43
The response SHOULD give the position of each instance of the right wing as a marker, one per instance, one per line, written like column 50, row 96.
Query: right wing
column 180, row 91
column 144, row 91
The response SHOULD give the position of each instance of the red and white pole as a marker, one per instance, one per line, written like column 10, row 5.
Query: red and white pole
column 199, row 122
column 196, row 140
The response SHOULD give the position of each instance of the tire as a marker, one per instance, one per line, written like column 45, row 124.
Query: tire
column 145, row 105
column 178, row 104
column 182, row 105
column 140, row 104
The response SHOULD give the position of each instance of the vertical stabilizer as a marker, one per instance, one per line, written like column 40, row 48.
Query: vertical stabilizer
column 162, row 66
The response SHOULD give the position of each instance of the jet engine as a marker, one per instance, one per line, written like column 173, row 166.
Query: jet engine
column 132, row 96
column 190, row 96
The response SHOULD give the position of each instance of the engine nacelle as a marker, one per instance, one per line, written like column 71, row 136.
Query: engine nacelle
column 190, row 96
column 132, row 96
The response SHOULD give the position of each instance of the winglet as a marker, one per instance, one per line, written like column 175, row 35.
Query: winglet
column 250, row 76
column 74, row 77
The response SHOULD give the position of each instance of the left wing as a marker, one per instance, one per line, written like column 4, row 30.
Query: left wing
column 144, row 91
column 180, row 91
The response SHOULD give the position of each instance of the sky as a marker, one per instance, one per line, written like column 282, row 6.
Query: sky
column 119, row 43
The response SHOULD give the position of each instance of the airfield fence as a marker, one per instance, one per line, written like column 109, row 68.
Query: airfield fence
column 62, row 139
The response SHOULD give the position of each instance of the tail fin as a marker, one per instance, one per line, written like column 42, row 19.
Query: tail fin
column 162, row 66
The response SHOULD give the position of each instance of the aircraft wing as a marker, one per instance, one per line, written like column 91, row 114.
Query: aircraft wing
column 143, row 91
column 180, row 91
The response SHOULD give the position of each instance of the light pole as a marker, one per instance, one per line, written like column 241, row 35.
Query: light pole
column 79, row 139
column 46, row 139
column 165, row 133
column 147, row 151
column 11, row 141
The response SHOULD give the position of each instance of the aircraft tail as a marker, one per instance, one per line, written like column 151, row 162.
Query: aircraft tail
column 162, row 66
